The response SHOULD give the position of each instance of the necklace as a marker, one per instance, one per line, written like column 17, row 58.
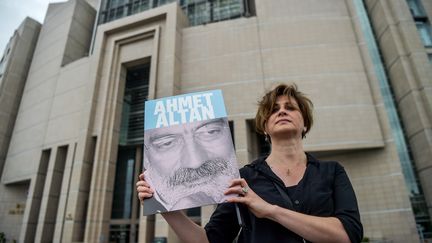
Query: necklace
column 288, row 171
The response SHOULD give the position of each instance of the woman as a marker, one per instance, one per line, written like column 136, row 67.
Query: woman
column 288, row 196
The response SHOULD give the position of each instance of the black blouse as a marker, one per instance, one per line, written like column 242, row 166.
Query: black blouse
column 324, row 190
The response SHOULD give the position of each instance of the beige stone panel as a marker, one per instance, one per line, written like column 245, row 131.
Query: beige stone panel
column 217, row 39
column 413, row 113
column 240, row 135
column 410, row 36
column 68, row 227
column 425, row 178
column 136, row 50
column 370, row 4
column 93, row 3
column 422, row 70
column 18, row 65
column 12, row 206
column 73, row 76
column 384, row 121
column 331, row 89
column 20, row 166
column 68, row 102
column 62, row 129
column 84, row 14
column 17, row 74
column 32, row 116
column 26, row 139
column 427, row 99
column 206, row 212
column 4, row 141
column 313, row 60
column 80, row 33
column 85, row 177
column 390, row 226
column 382, row 194
column 51, row 33
column 235, row 106
column 58, row 11
column 48, row 61
column 128, row 54
column 381, row 191
column 178, row 45
column 234, row 68
column 390, row 44
column 276, row 33
column 74, row 51
column 300, row 9
column 48, row 71
column 373, row 163
column 420, row 146
column 344, row 127
column 379, row 17
column 242, row 158
column 247, row 104
column 36, row 95
column 54, row 50
column 427, row 5
column 400, row 10
column 161, row 226
column 8, row 108
column 402, row 82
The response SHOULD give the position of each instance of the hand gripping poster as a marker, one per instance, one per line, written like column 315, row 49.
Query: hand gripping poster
column 189, row 157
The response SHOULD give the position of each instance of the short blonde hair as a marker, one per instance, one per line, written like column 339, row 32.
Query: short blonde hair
column 268, row 101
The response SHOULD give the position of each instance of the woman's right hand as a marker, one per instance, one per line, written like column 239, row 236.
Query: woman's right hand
column 143, row 188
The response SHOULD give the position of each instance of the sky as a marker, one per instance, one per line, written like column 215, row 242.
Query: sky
column 13, row 12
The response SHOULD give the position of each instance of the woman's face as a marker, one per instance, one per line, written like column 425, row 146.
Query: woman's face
column 285, row 119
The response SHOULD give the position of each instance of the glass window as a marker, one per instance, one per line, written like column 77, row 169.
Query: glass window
column 198, row 11
column 226, row 9
column 136, row 92
column 416, row 8
column 425, row 32
column 124, row 183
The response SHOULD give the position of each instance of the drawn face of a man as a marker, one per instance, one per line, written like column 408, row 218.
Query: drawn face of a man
column 188, row 162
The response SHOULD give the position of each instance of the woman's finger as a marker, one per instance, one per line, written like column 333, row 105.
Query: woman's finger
column 239, row 181
column 233, row 190
column 142, row 183
column 144, row 195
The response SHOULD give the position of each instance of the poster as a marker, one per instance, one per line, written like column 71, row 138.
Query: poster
column 189, row 157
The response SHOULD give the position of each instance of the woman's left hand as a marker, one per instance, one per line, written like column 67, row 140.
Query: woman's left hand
column 247, row 196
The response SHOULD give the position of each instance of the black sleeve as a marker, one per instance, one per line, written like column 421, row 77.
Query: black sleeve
column 223, row 225
column 346, row 208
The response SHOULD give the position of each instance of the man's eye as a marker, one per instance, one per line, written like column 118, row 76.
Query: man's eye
column 209, row 132
column 213, row 131
column 165, row 142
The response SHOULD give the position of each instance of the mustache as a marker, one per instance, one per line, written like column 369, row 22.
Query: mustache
column 207, row 169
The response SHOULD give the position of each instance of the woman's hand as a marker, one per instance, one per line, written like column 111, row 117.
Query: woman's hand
column 143, row 188
column 256, row 204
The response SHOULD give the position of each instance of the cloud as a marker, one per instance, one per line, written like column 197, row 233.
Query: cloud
column 13, row 12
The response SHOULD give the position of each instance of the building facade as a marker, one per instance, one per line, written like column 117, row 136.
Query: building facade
column 74, row 147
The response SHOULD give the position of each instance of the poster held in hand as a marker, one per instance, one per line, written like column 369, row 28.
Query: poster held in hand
column 189, row 157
